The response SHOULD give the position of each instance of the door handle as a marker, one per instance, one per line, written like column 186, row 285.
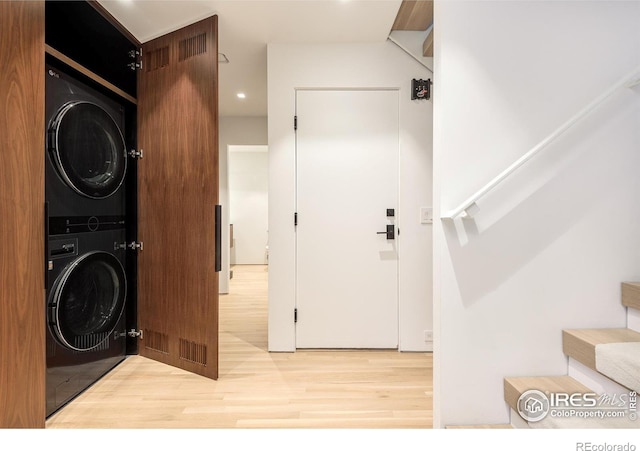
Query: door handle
column 218, row 238
column 390, row 232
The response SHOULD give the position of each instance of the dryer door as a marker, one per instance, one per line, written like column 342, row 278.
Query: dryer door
column 87, row 301
column 88, row 149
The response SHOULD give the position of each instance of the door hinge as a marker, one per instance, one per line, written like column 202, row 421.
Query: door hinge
column 136, row 154
column 295, row 315
column 136, row 334
column 295, row 219
column 295, row 122
column 136, row 55
column 134, row 246
column 132, row 333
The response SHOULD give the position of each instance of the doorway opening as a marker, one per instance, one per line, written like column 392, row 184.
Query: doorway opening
column 248, row 190
column 249, row 205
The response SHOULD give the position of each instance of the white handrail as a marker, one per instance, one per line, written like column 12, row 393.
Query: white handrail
column 469, row 207
column 401, row 47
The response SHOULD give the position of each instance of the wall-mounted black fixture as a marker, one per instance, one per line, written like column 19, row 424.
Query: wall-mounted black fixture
column 420, row 89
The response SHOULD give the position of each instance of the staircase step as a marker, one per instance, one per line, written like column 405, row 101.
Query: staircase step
column 581, row 343
column 612, row 352
column 631, row 294
column 516, row 386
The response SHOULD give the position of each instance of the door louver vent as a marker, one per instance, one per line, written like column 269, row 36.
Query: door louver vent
column 93, row 342
column 51, row 348
column 156, row 341
column 156, row 59
column 193, row 46
column 193, row 352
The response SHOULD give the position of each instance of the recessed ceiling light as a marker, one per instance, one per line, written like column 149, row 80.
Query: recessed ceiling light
column 241, row 95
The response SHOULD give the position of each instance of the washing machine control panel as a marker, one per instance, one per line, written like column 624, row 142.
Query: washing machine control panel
column 65, row 225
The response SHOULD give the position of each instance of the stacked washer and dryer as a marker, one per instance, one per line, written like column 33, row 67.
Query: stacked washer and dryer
column 86, row 165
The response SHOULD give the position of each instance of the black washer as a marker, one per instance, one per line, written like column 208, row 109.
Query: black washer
column 88, row 149
column 87, row 300
column 86, row 153
column 86, row 304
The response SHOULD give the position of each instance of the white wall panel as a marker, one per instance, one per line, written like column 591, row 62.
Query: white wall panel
column 351, row 66
column 550, row 246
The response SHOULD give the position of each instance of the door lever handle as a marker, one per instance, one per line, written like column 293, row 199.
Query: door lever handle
column 390, row 232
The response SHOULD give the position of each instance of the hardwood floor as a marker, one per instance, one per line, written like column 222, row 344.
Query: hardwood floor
column 258, row 389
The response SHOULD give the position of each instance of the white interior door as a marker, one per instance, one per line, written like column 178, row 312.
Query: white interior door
column 347, row 178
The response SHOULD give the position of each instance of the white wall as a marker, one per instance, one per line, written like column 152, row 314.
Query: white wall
column 249, row 204
column 412, row 42
column 550, row 247
column 234, row 131
column 380, row 65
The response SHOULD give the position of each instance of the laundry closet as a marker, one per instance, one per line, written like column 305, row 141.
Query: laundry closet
column 110, row 224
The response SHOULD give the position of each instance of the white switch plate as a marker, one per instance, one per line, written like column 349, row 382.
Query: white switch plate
column 428, row 336
column 426, row 215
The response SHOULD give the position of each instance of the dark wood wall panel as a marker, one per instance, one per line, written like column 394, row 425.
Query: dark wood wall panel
column 22, row 323
column 178, row 191
column 86, row 33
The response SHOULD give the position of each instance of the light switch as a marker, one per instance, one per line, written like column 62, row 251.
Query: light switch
column 426, row 215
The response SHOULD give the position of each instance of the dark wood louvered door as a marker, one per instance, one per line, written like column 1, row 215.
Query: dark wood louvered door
column 177, row 194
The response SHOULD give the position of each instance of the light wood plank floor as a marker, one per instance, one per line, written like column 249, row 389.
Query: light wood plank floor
column 258, row 389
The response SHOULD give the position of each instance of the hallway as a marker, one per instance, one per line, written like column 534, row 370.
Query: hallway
column 258, row 389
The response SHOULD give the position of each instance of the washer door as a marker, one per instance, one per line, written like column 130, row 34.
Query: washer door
column 87, row 301
column 88, row 149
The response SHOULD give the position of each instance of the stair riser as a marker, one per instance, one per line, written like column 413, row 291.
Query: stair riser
column 577, row 349
column 631, row 295
column 595, row 381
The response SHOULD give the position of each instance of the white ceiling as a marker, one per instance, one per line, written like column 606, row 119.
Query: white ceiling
column 247, row 26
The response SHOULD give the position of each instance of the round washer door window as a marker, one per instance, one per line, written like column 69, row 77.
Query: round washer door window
column 87, row 300
column 88, row 149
